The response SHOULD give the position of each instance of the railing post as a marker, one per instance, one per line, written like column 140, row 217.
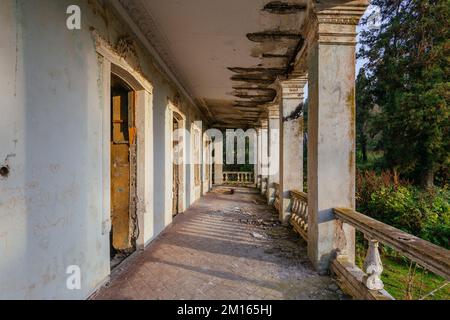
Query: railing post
column 331, row 126
column 373, row 267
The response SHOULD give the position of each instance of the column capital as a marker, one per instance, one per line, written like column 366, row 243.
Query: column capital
column 273, row 111
column 293, row 88
column 264, row 124
column 335, row 21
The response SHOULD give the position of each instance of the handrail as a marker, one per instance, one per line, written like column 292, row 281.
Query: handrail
column 299, row 194
column 430, row 256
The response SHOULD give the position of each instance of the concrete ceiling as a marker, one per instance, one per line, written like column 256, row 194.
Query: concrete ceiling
column 228, row 52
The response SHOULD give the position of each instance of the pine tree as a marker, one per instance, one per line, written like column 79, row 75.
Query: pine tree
column 408, row 68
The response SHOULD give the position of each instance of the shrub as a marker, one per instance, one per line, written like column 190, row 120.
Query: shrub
column 423, row 213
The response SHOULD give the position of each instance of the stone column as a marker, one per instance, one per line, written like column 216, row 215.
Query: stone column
column 264, row 156
column 257, row 177
column 331, row 129
column 218, row 163
column 291, row 142
column 273, row 174
column 218, row 174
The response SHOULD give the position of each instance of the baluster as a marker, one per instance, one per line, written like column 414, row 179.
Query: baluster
column 294, row 204
column 373, row 267
column 302, row 213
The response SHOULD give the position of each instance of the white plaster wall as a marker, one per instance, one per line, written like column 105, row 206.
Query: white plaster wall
column 51, row 138
column 50, row 206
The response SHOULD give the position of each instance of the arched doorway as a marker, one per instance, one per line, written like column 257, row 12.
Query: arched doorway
column 177, row 163
column 124, row 221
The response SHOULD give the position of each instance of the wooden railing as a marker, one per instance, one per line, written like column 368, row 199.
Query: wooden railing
column 231, row 177
column 424, row 253
column 299, row 210
column 276, row 202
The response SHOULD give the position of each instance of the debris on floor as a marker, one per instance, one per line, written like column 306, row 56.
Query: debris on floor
column 226, row 248
column 258, row 235
column 223, row 191
column 118, row 258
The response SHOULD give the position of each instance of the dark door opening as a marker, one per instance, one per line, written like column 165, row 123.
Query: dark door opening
column 123, row 172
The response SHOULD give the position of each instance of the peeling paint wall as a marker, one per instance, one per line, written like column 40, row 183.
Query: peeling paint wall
column 51, row 140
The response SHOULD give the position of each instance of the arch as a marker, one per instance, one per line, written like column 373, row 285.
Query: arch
column 112, row 63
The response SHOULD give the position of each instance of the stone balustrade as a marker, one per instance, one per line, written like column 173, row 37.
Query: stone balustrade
column 235, row 177
column 367, row 283
column 299, row 213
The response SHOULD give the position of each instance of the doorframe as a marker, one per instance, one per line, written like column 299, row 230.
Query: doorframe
column 173, row 111
column 110, row 62
column 196, row 189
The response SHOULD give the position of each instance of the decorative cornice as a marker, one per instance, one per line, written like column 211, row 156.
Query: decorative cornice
column 139, row 14
column 329, row 22
column 273, row 111
column 335, row 21
column 264, row 123
column 126, row 48
column 144, row 20
column 118, row 58
column 292, row 88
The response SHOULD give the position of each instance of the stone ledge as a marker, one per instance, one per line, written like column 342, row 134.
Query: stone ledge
column 350, row 278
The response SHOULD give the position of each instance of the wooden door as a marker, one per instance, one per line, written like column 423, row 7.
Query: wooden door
column 120, row 170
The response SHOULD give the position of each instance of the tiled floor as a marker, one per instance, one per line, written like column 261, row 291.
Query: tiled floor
column 224, row 247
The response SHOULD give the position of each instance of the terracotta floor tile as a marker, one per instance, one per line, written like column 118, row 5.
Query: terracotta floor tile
column 219, row 249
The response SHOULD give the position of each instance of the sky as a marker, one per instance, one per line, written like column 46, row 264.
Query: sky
column 360, row 62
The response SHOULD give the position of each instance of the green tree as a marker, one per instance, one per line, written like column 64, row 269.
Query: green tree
column 364, row 103
column 408, row 67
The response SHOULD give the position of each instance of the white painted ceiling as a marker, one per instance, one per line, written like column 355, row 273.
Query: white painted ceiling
column 203, row 38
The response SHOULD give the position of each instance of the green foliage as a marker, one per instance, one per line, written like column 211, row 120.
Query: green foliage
column 399, row 271
column 408, row 78
column 423, row 213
